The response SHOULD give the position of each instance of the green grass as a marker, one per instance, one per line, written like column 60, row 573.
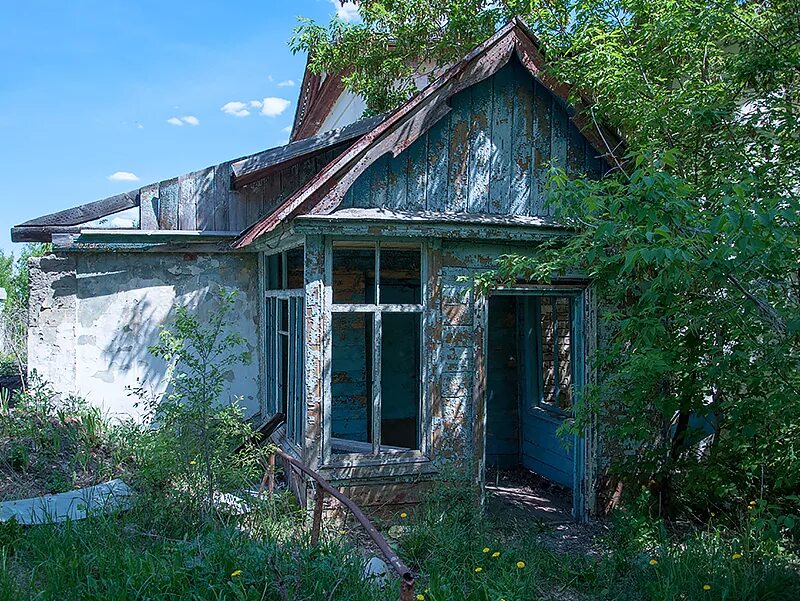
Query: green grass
column 266, row 556
column 165, row 548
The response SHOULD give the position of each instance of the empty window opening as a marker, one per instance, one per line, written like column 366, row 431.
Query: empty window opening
column 552, row 329
column 285, row 270
column 400, row 379
column 376, row 364
column 354, row 275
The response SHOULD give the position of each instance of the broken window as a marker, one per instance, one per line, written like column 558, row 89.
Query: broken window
column 285, row 349
column 376, row 364
column 284, row 271
column 550, row 348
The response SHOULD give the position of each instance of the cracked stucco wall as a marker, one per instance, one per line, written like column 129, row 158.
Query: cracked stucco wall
column 94, row 315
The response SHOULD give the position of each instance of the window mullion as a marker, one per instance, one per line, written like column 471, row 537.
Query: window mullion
column 377, row 334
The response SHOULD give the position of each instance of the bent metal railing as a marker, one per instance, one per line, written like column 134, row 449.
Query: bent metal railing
column 322, row 488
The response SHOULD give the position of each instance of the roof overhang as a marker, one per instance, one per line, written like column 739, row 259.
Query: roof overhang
column 425, row 224
column 256, row 166
column 325, row 192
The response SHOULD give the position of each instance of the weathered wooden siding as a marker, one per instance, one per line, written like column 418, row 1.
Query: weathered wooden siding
column 203, row 200
column 455, row 416
column 490, row 155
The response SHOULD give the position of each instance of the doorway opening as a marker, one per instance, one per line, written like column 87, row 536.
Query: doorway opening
column 532, row 375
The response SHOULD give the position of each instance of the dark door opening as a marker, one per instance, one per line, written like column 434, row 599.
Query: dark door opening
column 530, row 388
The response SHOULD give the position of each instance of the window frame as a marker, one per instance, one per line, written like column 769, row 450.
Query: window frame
column 273, row 300
column 533, row 380
column 378, row 453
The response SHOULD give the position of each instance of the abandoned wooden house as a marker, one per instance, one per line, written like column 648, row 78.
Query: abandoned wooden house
column 352, row 251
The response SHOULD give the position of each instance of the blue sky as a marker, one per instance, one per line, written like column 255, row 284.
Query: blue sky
column 93, row 88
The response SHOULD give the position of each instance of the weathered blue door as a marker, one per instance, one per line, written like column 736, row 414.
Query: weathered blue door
column 548, row 385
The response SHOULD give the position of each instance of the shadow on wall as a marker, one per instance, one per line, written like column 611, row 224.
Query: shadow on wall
column 123, row 303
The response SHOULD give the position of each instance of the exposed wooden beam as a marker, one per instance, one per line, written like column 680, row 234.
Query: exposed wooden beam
column 259, row 165
column 87, row 212
column 40, row 233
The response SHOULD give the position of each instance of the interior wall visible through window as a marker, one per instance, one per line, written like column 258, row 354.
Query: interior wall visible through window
column 549, row 349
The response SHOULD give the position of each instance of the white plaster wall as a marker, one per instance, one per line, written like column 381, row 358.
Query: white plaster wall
column 121, row 301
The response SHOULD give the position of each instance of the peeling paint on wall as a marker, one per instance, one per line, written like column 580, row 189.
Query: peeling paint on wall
column 94, row 316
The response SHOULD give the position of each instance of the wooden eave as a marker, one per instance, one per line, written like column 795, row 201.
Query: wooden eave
column 325, row 192
column 412, row 224
column 319, row 100
column 131, row 240
column 41, row 228
column 257, row 166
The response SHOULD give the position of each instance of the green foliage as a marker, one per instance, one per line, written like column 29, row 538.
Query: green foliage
column 449, row 537
column 692, row 242
column 14, row 273
column 186, row 458
column 107, row 558
column 394, row 43
column 49, row 445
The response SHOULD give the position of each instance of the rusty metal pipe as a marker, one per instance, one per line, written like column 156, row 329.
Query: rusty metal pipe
column 402, row 571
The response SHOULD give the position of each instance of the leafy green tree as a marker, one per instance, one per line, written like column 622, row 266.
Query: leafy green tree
column 6, row 270
column 691, row 240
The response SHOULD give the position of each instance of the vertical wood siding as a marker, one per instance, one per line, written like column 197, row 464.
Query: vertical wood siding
column 203, row 200
column 490, row 154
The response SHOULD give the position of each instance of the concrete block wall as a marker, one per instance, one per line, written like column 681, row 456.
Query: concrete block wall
column 94, row 315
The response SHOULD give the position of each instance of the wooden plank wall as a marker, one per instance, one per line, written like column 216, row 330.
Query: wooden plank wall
column 203, row 200
column 490, row 155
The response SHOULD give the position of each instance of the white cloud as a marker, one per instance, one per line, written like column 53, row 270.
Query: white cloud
column 346, row 12
column 123, row 176
column 286, row 84
column 188, row 119
column 235, row 108
column 139, row 126
column 272, row 106
column 287, row 129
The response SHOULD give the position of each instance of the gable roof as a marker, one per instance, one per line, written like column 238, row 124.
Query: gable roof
column 228, row 179
column 325, row 192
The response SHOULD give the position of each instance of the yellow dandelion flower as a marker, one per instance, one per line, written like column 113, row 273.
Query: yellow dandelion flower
column 192, row 462
column 343, row 532
column 236, row 573
column 713, row 514
column 478, row 570
column 752, row 503
column 653, row 562
column 420, row 597
column 737, row 556
column 520, row 564
column 486, row 549
column 404, row 515
column 706, row 587
column 496, row 554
